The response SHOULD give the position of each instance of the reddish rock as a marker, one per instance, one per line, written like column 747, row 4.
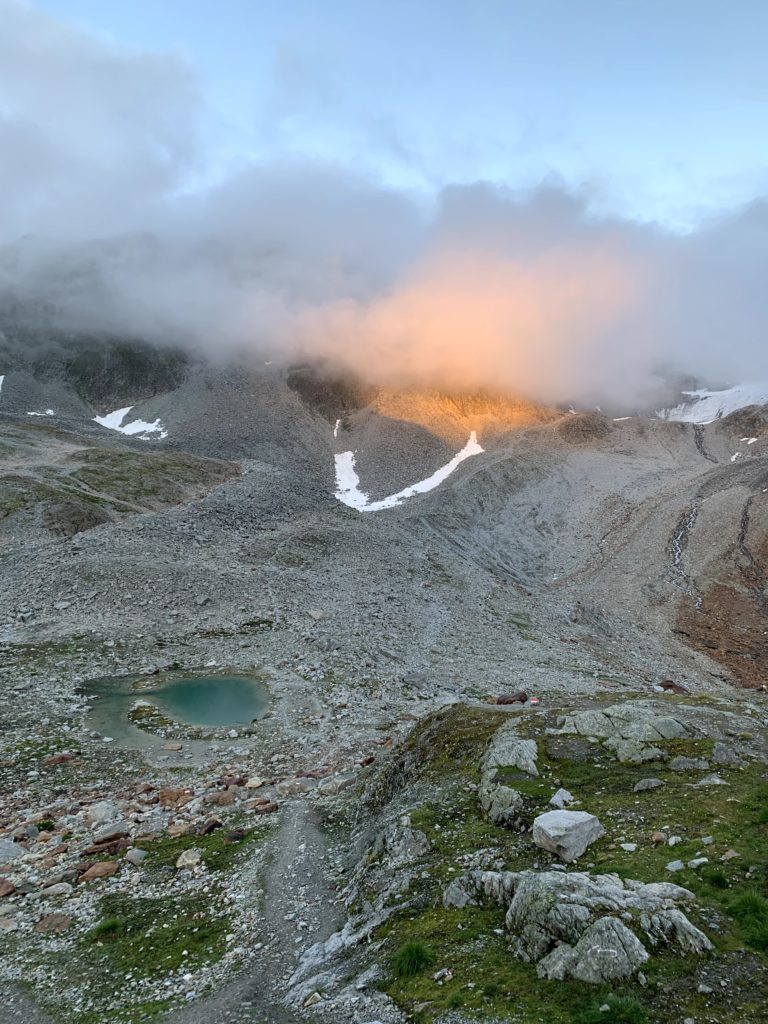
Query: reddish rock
column 180, row 828
column 224, row 798
column 7, row 888
column 57, row 759
column 268, row 808
column 104, row 869
column 672, row 687
column 513, row 698
column 210, row 826
column 366, row 761
column 232, row 780
column 53, row 924
column 174, row 797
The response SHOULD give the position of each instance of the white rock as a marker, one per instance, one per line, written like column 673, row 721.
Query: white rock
column 101, row 812
column 561, row 798
column 567, row 834
column 189, row 858
column 10, row 851
column 58, row 889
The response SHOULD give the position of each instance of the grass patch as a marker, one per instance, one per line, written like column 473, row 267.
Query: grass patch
column 411, row 959
column 751, row 911
column 620, row 1010
column 218, row 853
column 151, row 937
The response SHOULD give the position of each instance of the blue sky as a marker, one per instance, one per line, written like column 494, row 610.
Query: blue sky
column 660, row 109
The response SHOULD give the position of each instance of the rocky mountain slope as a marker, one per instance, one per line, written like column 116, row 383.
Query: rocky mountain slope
column 361, row 854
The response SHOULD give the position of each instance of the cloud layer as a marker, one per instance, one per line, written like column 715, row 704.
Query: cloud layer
column 478, row 286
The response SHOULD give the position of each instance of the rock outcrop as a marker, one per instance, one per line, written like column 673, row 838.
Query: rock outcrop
column 580, row 926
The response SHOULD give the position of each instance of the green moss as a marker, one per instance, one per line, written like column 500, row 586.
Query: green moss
column 149, row 718
column 464, row 941
column 152, row 937
column 611, row 1009
column 218, row 853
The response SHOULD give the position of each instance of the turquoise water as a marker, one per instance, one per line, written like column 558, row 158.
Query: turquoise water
column 212, row 701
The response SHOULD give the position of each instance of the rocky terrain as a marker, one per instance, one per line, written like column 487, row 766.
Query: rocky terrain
column 513, row 765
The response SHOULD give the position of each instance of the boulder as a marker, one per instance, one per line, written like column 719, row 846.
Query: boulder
column 606, row 951
column 507, row 750
column 101, row 812
column 561, row 799
column 7, row 888
column 503, row 805
column 644, row 721
column 53, row 924
column 592, row 928
column 58, row 889
column 10, row 851
column 456, row 896
column 104, row 869
column 189, row 858
column 632, row 751
column 645, row 784
column 567, row 834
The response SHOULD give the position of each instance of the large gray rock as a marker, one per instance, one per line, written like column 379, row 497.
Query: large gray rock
column 10, row 851
column 635, row 720
column 606, row 951
column 507, row 750
column 631, row 751
column 567, row 834
column 101, row 812
column 577, row 925
column 502, row 804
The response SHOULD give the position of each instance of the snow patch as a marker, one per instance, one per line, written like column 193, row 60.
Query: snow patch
column 2, row 378
column 348, row 483
column 46, row 412
column 138, row 428
column 707, row 406
column 336, row 428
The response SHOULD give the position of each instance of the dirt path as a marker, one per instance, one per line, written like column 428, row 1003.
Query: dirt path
column 17, row 1008
column 299, row 910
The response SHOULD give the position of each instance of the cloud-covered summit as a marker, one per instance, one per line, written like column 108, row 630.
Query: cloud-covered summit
column 110, row 221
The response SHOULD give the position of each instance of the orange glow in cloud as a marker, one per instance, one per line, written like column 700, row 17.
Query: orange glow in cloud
column 470, row 320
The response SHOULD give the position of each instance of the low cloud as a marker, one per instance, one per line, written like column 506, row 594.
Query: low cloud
column 477, row 286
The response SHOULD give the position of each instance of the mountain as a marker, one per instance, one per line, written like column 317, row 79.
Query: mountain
column 387, row 565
